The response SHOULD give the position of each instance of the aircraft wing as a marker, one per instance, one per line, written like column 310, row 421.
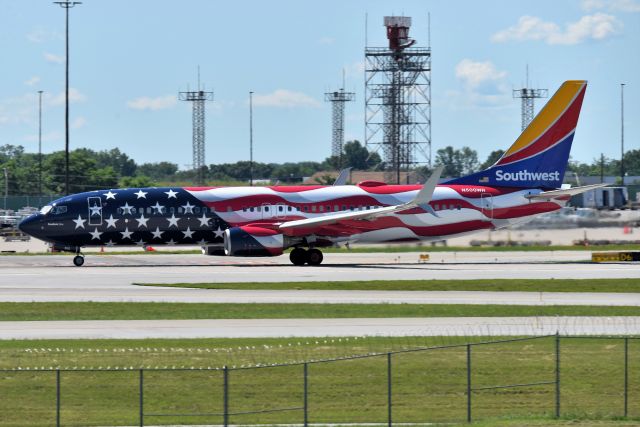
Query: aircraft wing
column 422, row 200
column 564, row 193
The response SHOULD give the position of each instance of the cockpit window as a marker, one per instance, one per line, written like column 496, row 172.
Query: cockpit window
column 45, row 209
column 57, row 210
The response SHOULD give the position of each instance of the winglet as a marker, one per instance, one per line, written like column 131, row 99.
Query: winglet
column 342, row 178
column 424, row 196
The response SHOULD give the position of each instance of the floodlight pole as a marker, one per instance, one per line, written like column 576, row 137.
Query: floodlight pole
column 622, row 132
column 40, row 143
column 251, row 138
column 66, row 5
column 6, row 187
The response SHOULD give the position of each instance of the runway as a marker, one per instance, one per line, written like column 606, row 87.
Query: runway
column 110, row 278
column 267, row 328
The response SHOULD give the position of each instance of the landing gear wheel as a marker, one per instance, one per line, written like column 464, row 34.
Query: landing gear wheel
column 298, row 256
column 78, row 260
column 314, row 257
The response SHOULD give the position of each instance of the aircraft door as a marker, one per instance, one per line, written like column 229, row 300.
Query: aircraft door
column 486, row 201
column 95, row 210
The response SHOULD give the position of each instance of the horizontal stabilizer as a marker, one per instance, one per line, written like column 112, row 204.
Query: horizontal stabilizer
column 568, row 192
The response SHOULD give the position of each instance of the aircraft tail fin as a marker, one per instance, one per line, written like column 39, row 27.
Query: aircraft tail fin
column 539, row 157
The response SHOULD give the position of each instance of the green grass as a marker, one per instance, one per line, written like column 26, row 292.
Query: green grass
column 148, row 311
column 427, row 385
column 500, row 285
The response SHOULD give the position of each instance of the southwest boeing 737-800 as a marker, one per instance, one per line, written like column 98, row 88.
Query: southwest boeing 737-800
column 264, row 221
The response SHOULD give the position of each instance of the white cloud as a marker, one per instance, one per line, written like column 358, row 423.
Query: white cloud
column 611, row 5
column 285, row 98
column 152, row 104
column 75, row 96
column 32, row 81
column 40, row 35
column 484, row 85
column 52, row 58
column 24, row 109
column 78, row 122
column 476, row 73
column 598, row 26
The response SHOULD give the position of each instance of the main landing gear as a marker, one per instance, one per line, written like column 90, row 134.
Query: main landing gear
column 300, row 256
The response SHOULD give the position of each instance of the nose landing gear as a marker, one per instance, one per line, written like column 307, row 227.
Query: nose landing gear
column 300, row 256
column 78, row 260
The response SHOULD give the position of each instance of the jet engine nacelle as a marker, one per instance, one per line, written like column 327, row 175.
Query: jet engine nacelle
column 253, row 241
column 213, row 250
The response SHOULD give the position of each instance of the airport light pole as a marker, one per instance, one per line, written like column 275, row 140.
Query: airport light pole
column 622, row 132
column 40, row 143
column 66, row 5
column 6, row 187
column 251, row 138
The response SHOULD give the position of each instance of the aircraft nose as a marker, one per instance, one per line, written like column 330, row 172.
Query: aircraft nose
column 30, row 225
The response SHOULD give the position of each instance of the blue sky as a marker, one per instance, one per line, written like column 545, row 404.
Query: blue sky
column 129, row 59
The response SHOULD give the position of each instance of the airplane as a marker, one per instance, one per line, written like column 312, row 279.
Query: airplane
column 265, row 221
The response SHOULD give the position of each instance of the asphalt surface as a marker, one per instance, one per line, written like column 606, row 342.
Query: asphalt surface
column 111, row 278
column 265, row 328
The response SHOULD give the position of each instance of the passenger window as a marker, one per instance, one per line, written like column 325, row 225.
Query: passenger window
column 149, row 210
column 321, row 208
column 244, row 209
column 451, row 207
column 266, row 208
column 197, row 210
column 313, row 208
column 306, row 208
column 172, row 210
column 351, row 208
column 259, row 209
column 280, row 208
column 251, row 209
column 336, row 208
column 289, row 208
column 458, row 207
column 119, row 211
column 344, row 207
column 133, row 210
column 229, row 209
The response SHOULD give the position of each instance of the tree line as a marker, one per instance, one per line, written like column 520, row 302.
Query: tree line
column 91, row 170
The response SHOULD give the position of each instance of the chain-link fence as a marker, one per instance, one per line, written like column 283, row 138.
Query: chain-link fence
column 534, row 376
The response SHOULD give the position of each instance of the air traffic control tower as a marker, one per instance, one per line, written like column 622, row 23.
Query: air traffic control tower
column 398, row 100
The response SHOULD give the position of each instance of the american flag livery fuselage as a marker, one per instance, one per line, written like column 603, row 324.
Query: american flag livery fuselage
column 264, row 221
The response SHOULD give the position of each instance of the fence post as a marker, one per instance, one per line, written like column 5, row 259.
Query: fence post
column 389, row 393
column 468, row 383
column 57, row 397
column 626, row 376
column 225, row 397
column 306, row 389
column 141, row 395
column 557, row 411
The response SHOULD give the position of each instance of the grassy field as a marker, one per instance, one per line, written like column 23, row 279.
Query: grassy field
column 426, row 385
column 150, row 311
column 499, row 285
